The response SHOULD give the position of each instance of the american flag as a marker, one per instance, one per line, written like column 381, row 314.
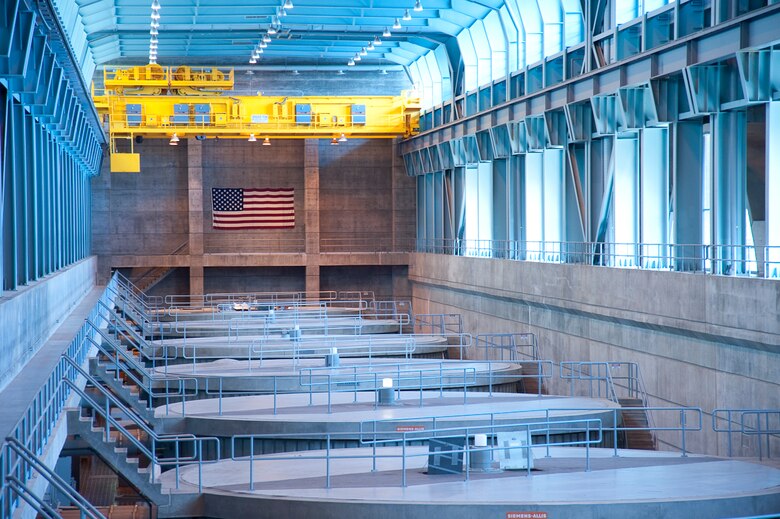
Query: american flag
column 236, row 208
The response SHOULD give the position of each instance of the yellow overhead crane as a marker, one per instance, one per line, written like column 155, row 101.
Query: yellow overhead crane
column 152, row 101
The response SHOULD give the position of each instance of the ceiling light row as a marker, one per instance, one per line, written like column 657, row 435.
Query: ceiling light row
column 154, row 30
column 372, row 45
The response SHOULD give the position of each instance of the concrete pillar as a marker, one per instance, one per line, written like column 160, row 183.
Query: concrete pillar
column 195, row 204
column 311, row 213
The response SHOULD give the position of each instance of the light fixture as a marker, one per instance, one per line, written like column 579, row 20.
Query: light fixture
column 357, row 57
column 153, row 39
column 156, row 5
column 153, row 62
column 343, row 138
column 266, row 142
column 370, row 46
column 377, row 41
column 155, row 15
column 386, row 34
column 275, row 20
column 397, row 24
column 155, row 24
column 363, row 51
column 271, row 30
column 252, row 60
column 266, row 38
column 252, row 138
column 153, row 31
column 418, row 5
column 152, row 54
column 288, row 4
column 340, row 72
column 351, row 62
column 296, row 73
column 174, row 140
column 262, row 45
column 152, row 46
column 407, row 16
column 387, row 382
column 334, row 142
column 282, row 12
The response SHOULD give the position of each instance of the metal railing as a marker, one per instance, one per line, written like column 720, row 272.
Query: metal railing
column 764, row 424
column 190, row 442
column 45, row 411
column 685, row 422
column 725, row 260
column 591, row 426
column 438, row 323
column 20, row 464
column 511, row 347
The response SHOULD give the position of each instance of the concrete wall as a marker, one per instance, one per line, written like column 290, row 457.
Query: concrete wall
column 238, row 163
column 141, row 213
column 29, row 315
column 385, row 281
column 251, row 279
column 705, row 341
column 363, row 203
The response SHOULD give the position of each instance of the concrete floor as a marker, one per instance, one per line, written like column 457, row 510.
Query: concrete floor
column 659, row 482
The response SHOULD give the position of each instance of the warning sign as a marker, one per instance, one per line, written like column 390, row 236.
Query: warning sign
column 409, row 428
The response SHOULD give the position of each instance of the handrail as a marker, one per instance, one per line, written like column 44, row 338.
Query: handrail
column 684, row 425
column 30, row 462
column 150, row 452
column 589, row 425
column 509, row 342
column 748, row 429
column 714, row 259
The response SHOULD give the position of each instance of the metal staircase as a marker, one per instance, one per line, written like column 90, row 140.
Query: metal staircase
column 131, row 447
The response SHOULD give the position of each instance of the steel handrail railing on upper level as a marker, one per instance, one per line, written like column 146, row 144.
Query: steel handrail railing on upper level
column 515, row 344
column 717, row 259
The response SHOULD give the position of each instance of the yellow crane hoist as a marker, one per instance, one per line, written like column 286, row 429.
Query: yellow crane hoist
column 181, row 102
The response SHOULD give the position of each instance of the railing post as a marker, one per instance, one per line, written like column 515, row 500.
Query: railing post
column 327, row 461
column 682, row 422
column 251, row 462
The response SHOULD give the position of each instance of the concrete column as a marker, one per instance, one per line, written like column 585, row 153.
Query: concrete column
column 311, row 214
column 404, row 203
column 195, row 204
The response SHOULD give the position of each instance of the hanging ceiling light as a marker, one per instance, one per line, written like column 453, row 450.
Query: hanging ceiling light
column 266, row 142
column 153, row 31
column 386, row 34
column 252, row 138
column 288, row 4
column 418, row 5
column 155, row 23
column 282, row 12
column 174, row 140
column 357, row 57
column 340, row 72
column 271, row 30
column 296, row 73
column 343, row 138
column 407, row 16
column 155, row 5
column 153, row 46
column 155, row 15
column 266, row 38
column 370, row 46
column 397, row 24
column 153, row 62
column 377, row 41
column 262, row 45
column 363, row 51
column 153, row 39
column 351, row 62
column 252, row 60
column 334, row 142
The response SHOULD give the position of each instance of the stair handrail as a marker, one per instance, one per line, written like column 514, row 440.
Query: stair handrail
column 148, row 388
column 144, row 314
column 154, row 460
column 25, row 454
column 137, row 292
column 176, row 251
column 576, row 372
column 134, row 417
column 508, row 342
column 140, row 342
